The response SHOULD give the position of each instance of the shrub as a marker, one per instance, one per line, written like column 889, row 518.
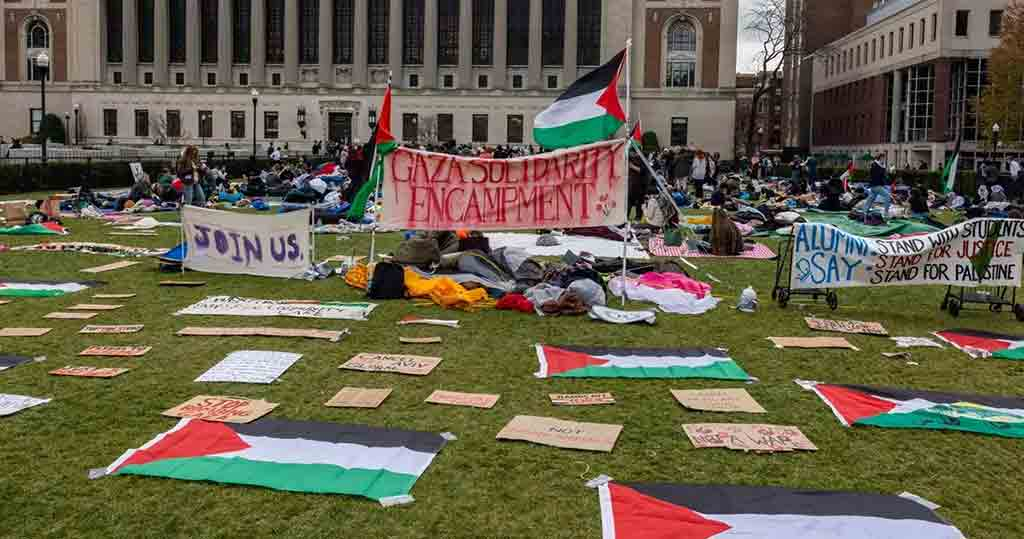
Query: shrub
column 52, row 128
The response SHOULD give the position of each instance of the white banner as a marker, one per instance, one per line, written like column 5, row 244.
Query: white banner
column 981, row 252
column 247, row 244
column 262, row 308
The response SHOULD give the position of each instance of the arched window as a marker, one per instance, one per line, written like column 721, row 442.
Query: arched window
column 37, row 41
column 681, row 55
column 38, row 36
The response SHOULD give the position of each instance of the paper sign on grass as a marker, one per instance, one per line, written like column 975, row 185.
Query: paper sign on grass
column 846, row 326
column 232, row 306
column 748, row 437
column 89, row 372
column 454, row 398
column 116, row 351
column 358, row 397
column 561, row 433
column 581, row 399
column 420, row 340
column 24, row 332
column 812, row 342
column 112, row 330
column 94, row 307
column 4, row 301
column 222, row 409
column 111, row 267
column 415, row 320
column 397, row 363
column 245, row 244
column 333, row 336
column 12, row 404
column 71, row 316
column 250, row 367
column 718, row 400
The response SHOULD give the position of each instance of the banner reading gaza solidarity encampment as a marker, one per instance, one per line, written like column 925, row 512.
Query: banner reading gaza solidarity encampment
column 981, row 252
column 579, row 187
column 245, row 244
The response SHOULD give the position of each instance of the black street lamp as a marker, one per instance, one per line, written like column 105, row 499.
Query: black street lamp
column 67, row 128
column 255, row 99
column 995, row 140
column 77, row 123
column 372, row 118
column 760, row 135
column 202, row 127
column 43, row 64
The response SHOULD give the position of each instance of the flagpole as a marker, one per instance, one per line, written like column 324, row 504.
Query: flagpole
column 625, row 239
column 376, row 191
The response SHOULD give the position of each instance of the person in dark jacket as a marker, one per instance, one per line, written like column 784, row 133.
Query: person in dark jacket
column 878, row 189
column 639, row 179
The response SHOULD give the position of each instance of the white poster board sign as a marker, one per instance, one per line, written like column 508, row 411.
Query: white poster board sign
column 250, row 367
column 247, row 244
column 136, row 170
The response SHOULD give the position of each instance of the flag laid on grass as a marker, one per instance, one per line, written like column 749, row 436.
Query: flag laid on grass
column 589, row 110
column 949, row 173
column 663, row 510
column 381, row 143
column 915, row 409
column 40, row 289
column 587, row 362
column 979, row 344
column 297, row 456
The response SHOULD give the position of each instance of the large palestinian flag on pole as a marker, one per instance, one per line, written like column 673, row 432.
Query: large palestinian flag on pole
column 40, row 289
column 590, row 362
column 297, row 456
column 664, row 510
column 984, row 344
column 914, row 409
column 589, row 111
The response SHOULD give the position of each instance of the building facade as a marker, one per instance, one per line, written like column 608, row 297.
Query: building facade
column 907, row 84
column 177, row 71
column 767, row 122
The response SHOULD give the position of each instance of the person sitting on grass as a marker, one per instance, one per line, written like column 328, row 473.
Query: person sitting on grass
column 919, row 204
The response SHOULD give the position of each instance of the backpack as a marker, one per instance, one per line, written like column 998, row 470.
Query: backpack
column 418, row 252
column 387, row 282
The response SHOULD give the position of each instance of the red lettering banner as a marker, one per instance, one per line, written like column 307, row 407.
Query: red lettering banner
column 577, row 187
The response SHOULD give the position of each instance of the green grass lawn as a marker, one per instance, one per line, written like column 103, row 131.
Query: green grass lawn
column 477, row 487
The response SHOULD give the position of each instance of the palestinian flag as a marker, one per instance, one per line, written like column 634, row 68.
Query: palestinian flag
column 637, row 135
column 40, row 289
column 914, row 409
column 589, row 111
column 381, row 143
column 978, row 344
column 665, row 510
column 297, row 456
column 949, row 173
column 848, row 175
column 585, row 362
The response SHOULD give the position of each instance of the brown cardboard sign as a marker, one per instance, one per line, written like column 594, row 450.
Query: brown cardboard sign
column 112, row 330
column 416, row 320
column 71, row 316
column 847, row 326
column 420, row 340
column 358, row 397
column 812, row 342
column 581, row 399
column 718, row 400
column 24, row 332
column 333, row 336
column 114, row 296
column 4, row 301
column 111, row 267
column 89, row 372
column 222, row 409
column 116, row 351
column 562, row 433
column 454, row 398
column 94, row 307
column 748, row 437
column 402, row 364
column 185, row 284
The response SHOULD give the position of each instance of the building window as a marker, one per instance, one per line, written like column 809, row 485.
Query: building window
column 205, row 124
column 109, row 122
column 920, row 102
column 448, row 32
column 970, row 78
column 483, row 32
column 211, row 79
column 179, row 79
column 881, row 46
column 552, row 82
column 515, row 128
column 935, row 26
column 178, row 47
column 902, row 36
column 517, row 82
column 344, row 26
column 963, row 17
column 270, row 125
column 995, row 22
column 479, row 128
column 173, row 123
column 146, row 30
column 238, row 124
column 553, row 32
column 910, row 42
column 35, row 118
column 681, row 61
column 275, row 79
column 448, row 81
column 377, row 20
column 411, row 127
column 874, row 50
column 518, row 17
column 242, row 31
column 209, row 14
column 115, row 31
column 413, row 17
column 445, row 127
column 482, row 81
column 892, row 39
column 414, row 80
column 37, row 36
column 588, row 23
column 118, row 78
column 243, row 79
column 275, row 31
column 309, row 32
column 147, row 78
column 680, row 132
column 922, row 32
column 142, row 123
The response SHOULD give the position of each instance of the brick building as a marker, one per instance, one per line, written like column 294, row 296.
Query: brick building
column 768, row 125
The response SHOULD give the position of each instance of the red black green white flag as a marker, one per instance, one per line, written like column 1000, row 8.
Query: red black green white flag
column 671, row 511
column 978, row 344
column 588, row 111
column 599, row 362
column 917, row 409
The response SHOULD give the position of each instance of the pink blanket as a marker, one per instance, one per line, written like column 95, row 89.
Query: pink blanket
column 664, row 281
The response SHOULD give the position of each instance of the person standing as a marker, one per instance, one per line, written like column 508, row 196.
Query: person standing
column 188, row 173
column 812, row 173
column 878, row 189
column 699, row 173
column 638, row 183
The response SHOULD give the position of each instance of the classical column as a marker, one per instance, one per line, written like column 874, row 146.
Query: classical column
column 571, row 37
column 359, row 43
column 258, row 49
column 225, row 43
column 395, row 41
column 500, row 78
column 161, row 43
column 535, row 71
column 897, row 104
column 130, row 31
column 466, row 44
column 326, row 42
column 193, row 49
column 430, row 44
column 291, row 42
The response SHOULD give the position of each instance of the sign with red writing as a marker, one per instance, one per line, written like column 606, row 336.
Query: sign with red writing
column 222, row 409
column 578, row 187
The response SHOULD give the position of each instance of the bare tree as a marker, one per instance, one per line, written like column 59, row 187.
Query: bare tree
column 779, row 34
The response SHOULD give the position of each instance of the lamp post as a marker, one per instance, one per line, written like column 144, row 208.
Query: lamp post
column 300, row 117
column 202, row 130
column 77, row 130
column 43, row 63
column 372, row 118
column 760, row 135
column 67, row 127
column 255, row 99
column 995, row 140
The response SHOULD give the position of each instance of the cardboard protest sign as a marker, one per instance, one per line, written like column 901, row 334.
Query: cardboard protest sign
column 4, row 301
column 231, row 306
column 250, row 367
column 581, row 399
column 222, row 409
column 137, row 171
column 94, row 307
column 454, row 398
column 71, row 316
column 812, row 342
column 358, row 397
column 847, row 326
column 333, row 336
column 111, row 267
column 915, row 342
column 718, row 400
column 112, row 330
column 578, row 187
column 24, row 332
column 415, row 320
column 114, row 296
column 244, row 244
column 744, row 437
column 12, row 404
column 89, row 372
column 420, row 340
column 561, row 433
column 116, row 351
column 980, row 252
column 397, row 363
